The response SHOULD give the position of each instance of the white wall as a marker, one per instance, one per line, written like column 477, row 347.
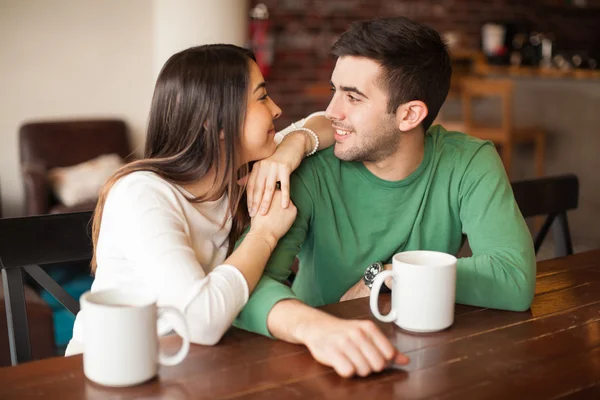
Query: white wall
column 69, row 59
column 63, row 59
column 184, row 23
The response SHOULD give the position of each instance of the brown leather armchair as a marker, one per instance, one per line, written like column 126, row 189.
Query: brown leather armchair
column 45, row 145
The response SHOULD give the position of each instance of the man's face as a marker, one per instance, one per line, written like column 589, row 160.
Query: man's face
column 365, row 131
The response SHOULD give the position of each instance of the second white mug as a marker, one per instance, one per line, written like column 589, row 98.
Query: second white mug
column 423, row 291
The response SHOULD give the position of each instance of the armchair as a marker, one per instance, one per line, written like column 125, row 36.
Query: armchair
column 45, row 145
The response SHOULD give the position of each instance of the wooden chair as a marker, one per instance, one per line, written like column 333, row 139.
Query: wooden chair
column 506, row 135
column 553, row 197
column 464, row 64
column 27, row 243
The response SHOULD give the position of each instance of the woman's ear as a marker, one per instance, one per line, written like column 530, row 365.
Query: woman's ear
column 410, row 115
column 221, row 133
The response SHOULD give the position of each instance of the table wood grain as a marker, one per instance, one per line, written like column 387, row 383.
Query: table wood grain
column 551, row 351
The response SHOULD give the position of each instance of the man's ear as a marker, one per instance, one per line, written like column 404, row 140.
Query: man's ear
column 410, row 115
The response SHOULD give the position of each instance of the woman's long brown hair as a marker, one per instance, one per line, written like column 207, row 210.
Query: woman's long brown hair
column 199, row 93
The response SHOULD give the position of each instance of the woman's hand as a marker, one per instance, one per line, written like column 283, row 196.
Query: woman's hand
column 262, row 181
column 265, row 174
column 275, row 223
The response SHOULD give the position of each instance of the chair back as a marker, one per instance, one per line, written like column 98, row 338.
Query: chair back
column 27, row 243
column 480, row 88
column 553, row 197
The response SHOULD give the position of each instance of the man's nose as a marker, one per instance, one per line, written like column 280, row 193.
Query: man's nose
column 334, row 111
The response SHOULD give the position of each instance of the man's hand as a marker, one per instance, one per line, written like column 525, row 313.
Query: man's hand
column 351, row 347
column 348, row 346
column 361, row 290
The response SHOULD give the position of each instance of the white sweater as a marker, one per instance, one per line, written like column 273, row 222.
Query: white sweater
column 152, row 237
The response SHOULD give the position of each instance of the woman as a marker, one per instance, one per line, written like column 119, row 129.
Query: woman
column 168, row 223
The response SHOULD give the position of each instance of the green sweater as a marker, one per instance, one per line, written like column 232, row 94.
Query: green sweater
column 349, row 218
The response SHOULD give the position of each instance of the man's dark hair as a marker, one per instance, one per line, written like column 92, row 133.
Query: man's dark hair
column 413, row 56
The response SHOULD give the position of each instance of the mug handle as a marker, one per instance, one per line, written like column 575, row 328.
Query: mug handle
column 185, row 335
column 379, row 279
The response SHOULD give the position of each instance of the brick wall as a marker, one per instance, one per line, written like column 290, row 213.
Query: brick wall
column 305, row 29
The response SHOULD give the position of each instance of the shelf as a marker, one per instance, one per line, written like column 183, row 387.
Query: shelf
column 536, row 72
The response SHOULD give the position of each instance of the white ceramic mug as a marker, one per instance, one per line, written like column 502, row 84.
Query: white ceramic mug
column 120, row 337
column 423, row 291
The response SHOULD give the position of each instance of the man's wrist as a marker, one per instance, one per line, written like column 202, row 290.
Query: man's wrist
column 310, row 322
column 293, row 321
column 387, row 287
column 371, row 273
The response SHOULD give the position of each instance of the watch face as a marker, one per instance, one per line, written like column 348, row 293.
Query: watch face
column 371, row 272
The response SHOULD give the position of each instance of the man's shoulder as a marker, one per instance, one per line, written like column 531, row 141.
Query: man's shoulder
column 454, row 143
column 317, row 174
column 468, row 157
column 317, row 164
column 326, row 156
column 444, row 137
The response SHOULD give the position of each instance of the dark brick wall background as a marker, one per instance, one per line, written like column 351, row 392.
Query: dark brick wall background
column 305, row 29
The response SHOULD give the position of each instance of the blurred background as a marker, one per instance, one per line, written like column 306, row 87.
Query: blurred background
column 68, row 60
column 76, row 81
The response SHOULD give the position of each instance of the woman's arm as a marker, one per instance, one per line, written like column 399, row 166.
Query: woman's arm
column 318, row 123
column 155, row 237
column 221, row 295
column 293, row 146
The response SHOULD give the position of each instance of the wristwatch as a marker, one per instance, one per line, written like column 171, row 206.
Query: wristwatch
column 371, row 272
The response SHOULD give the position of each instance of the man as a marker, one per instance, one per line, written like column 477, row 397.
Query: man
column 390, row 184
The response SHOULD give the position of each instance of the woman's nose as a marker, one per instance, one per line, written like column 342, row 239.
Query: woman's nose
column 275, row 110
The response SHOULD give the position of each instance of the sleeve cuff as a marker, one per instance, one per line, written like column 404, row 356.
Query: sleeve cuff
column 227, row 272
column 237, row 275
column 291, row 128
column 254, row 316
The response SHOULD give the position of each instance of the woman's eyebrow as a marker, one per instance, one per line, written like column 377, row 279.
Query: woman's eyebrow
column 260, row 85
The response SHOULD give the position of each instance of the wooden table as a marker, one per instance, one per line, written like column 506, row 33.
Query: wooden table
column 551, row 351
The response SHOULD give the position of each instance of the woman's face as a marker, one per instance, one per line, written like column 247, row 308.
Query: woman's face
column 259, row 131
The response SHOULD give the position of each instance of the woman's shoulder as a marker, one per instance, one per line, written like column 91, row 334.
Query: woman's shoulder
column 141, row 189
column 145, row 181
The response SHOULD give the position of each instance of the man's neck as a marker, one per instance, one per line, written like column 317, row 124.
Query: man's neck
column 405, row 160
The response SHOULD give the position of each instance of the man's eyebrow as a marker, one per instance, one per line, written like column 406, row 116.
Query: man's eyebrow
column 351, row 89
column 260, row 85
